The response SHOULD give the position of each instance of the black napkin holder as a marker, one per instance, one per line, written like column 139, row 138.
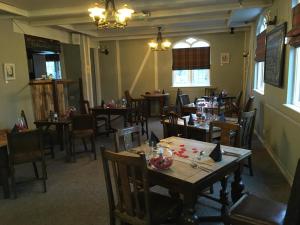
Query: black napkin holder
column 191, row 120
column 153, row 139
column 216, row 154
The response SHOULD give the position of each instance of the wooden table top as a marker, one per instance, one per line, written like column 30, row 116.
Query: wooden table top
column 155, row 95
column 3, row 138
column 183, row 171
column 48, row 122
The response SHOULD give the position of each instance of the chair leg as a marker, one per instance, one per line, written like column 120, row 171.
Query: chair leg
column 45, row 175
column 94, row 147
column 13, row 182
column 52, row 148
column 147, row 132
column 36, row 172
column 84, row 144
column 250, row 166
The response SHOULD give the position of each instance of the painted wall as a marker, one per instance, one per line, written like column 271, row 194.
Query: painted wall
column 135, row 57
column 14, row 95
column 278, row 125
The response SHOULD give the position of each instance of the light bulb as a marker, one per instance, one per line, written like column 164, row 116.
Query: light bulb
column 126, row 12
column 96, row 11
column 153, row 45
column 166, row 44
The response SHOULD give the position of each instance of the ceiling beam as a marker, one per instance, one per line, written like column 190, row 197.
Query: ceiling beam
column 13, row 10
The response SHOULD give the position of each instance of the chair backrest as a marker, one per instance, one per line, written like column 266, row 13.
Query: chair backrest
column 210, row 91
column 229, row 133
column 247, row 122
column 24, row 144
column 239, row 99
column 249, row 104
column 82, row 122
column 184, row 99
column 125, row 202
column 171, row 126
column 87, row 108
column 24, row 118
column 127, row 96
column 126, row 136
column 292, row 216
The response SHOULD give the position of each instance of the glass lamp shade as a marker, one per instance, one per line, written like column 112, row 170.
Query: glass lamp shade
column 125, row 12
column 166, row 44
column 96, row 12
column 153, row 45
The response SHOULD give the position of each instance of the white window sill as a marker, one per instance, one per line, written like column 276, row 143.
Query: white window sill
column 191, row 86
column 293, row 107
column 259, row 91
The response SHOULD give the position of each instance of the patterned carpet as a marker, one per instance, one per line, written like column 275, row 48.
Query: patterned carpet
column 77, row 195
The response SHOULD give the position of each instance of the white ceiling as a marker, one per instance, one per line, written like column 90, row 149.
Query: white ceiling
column 175, row 16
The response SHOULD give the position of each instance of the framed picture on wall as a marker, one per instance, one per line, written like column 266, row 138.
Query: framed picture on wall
column 225, row 58
column 9, row 71
column 275, row 54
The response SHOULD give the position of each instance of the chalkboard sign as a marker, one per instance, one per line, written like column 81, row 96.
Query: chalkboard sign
column 275, row 54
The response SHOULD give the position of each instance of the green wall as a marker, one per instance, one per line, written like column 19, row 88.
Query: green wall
column 278, row 125
column 14, row 95
column 133, row 52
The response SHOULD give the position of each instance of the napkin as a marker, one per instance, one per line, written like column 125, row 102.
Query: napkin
column 216, row 154
column 191, row 120
column 153, row 139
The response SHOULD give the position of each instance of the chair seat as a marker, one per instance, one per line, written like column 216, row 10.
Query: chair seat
column 82, row 133
column 27, row 157
column 250, row 210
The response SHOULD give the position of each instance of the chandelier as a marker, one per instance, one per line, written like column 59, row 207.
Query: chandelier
column 109, row 17
column 159, row 44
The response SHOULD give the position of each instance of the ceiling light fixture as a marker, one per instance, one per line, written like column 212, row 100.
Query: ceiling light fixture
column 109, row 17
column 159, row 44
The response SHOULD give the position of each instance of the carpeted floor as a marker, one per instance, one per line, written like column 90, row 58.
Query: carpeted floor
column 77, row 195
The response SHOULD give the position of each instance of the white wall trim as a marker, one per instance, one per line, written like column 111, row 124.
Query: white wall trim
column 140, row 71
column 287, row 175
column 155, row 71
column 98, row 76
column 119, row 69
column 283, row 115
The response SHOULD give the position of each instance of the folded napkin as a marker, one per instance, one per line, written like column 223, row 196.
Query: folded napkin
column 191, row 120
column 153, row 139
column 216, row 154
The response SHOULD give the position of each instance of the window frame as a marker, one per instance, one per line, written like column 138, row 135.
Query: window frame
column 191, row 44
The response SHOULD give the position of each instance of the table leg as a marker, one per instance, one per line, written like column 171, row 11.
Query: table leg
column 161, row 105
column 224, row 200
column 188, row 216
column 237, row 186
column 149, row 107
column 125, row 117
column 5, row 182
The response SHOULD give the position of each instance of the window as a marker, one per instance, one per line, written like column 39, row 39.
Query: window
column 192, row 64
column 259, row 84
column 53, row 66
column 296, row 88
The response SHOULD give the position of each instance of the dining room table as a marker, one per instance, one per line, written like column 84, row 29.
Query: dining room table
column 193, row 171
column 199, row 130
column 62, row 126
column 4, row 169
column 156, row 96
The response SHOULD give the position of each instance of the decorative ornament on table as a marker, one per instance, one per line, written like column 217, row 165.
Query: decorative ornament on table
column 191, row 120
column 163, row 91
column 216, row 154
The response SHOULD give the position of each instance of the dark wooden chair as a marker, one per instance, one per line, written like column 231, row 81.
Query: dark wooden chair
column 126, row 136
column 184, row 99
column 249, row 105
column 130, row 203
column 210, row 91
column 236, row 105
column 47, row 136
column 98, row 118
column 26, row 147
column 253, row 210
column 171, row 126
column 247, row 122
column 83, row 128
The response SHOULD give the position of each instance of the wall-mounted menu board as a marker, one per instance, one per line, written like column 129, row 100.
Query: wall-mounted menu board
column 275, row 54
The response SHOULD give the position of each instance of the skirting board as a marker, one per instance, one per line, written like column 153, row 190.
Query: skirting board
column 277, row 161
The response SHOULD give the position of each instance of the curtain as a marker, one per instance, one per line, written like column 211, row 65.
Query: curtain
column 191, row 58
column 294, row 33
column 260, row 53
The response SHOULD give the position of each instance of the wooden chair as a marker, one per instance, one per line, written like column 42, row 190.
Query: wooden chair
column 129, row 203
column 209, row 91
column 25, row 147
column 171, row 126
column 253, row 210
column 126, row 136
column 236, row 105
column 83, row 128
column 98, row 118
column 249, row 104
column 47, row 136
column 247, row 122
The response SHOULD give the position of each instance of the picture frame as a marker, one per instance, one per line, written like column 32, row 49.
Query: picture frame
column 225, row 58
column 9, row 71
column 275, row 55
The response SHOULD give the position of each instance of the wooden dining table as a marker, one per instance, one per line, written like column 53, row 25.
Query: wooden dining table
column 191, row 175
column 160, row 97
